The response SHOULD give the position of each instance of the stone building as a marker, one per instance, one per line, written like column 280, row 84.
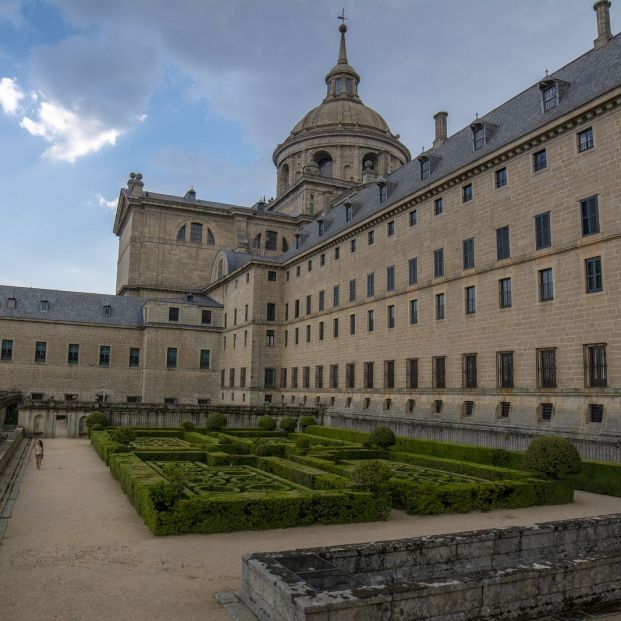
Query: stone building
column 477, row 285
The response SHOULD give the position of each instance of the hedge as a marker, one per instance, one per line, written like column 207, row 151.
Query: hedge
column 350, row 453
column 218, row 458
column 598, row 477
column 171, row 455
column 310, row 477
column 200, row 439
column 159, row 433
column 105, row 446
column 252, row 432
column 321, row 464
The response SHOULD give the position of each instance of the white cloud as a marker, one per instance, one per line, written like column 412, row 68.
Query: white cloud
column 102, row 202
column 10, row 95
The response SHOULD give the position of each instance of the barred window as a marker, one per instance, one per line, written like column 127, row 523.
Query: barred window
column 40, row 351
column 540, row 160
column 504, row 290
column 504, row 369
column 595, row 367
column 439, row 372
column 368, row 375
column 390, row 278
column 469, row 362
column 319, row 376
column 389, row 374
column 370, row 320
column 438, row 206
column 468, row 253
column 594, row 280
column 350, row 375
column 391, row 316
column 196, row 233
column 370, row 285
column 412, row 271
column 335, row 295
column 585, row 140
column 546, row 368
column 503, row 246
column 352, row 290
column 466, row 193
column 270, row 378
column 589, row 213
column 171, row 358
column 413, row 312
column 6, row 354
column 438, row 263
column 134, row 357
column 501, row 177
column 104, row 355
column 283, row 378
column 546, row 285
column 352, row 324
column 550, row 97
column 73, row 353
column 305, row 377
column 440, row 306
column 471, row 305
column 334, row 376
column 412, row 373
column 322, row 300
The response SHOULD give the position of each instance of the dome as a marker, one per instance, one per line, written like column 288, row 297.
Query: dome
column 342, row 112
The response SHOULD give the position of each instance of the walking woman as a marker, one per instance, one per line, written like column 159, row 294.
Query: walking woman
column 39, row 453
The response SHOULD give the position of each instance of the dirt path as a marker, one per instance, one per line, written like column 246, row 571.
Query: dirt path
column 75, row 549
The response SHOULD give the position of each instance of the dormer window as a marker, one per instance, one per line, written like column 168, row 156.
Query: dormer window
column 107, row 310
column 349, row 212
column 425, row 167
column 478, row 137
column 550, row 97
column 297, row 240
column 320, row 227
column 11, row 303
column 44, row 306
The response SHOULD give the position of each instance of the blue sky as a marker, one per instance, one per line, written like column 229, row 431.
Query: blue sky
column 199, row 92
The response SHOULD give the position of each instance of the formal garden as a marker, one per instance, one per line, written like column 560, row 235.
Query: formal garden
column 297, row 473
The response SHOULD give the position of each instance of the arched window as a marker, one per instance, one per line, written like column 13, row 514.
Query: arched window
column 271, row 240
column 324, row 161
column 285, row 245
column 284, row 176
column 196, row 233
column 220, row 269
column 257, row 241
column 210, row 239
column 181, row 234
column 369, row 162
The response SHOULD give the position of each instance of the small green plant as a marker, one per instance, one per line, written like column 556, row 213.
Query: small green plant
column 371, row 476
column 302, row 443
column 97, row 427
column 382, row 437
column 555, row 457
column 263, row 450
column 267, row 423
column 216, row 421
column 96, row 418
column 288, row 424
column 123, row 435
column 306, row 421
column 187, row 425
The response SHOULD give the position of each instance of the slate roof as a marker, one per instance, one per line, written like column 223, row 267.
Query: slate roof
column 73, row 306
column 589, row 76
column 237, row 259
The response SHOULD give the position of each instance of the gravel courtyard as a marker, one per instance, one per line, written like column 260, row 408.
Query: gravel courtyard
column 76, row 550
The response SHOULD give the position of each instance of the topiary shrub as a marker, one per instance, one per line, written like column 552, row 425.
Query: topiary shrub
column 302, row 443
column 555, row 457
column 123, row 435
column 263, row 450
column 288, row 424
column 267, row 423
column 96, row 418
column 216, row 421
column 306, row 421
column 382, row 437
column 97, row 427
column 371, row 476
column 187, row 425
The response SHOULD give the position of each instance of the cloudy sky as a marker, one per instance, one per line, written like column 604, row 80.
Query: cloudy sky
column 199, row 92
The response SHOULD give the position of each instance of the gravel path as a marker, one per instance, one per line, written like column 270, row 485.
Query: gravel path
column 76, row 550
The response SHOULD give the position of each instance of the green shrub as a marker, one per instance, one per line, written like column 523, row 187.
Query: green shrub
column 383, row 437
column 123, row 435
column 302, row 443
column 187, row 425
column 288, row 424
column 310, row 477
column 97, row 427
column 267, row 422
column 216, row 421
column 372, row 476
column 553, row 456
column 598, row 477
column 263, row 450
column 96, row 418
column 306, row 421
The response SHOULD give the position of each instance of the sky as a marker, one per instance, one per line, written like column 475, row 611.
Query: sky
column 200, row 92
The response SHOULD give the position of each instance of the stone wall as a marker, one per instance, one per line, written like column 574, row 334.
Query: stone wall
column 9, row 445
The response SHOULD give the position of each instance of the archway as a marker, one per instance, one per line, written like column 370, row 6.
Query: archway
column 37, row 424
column 82, row 426
column 324, row 160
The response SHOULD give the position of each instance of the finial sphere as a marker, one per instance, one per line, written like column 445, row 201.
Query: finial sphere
column 132, row 175
column 343, row 28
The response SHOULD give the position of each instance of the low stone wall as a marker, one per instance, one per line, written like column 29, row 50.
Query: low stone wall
column 508, row 573
column 600, row 447
column 9, row 445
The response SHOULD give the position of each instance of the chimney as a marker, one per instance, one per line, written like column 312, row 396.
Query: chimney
column 441, row 133
column 602, row 9
column 190, row 195
column 135, row 184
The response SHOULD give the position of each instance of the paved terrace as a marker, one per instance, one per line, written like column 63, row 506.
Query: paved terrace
column 75, row 549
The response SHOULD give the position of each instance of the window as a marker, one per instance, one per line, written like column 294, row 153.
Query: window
column 320, row 227
column 107, row 310
column 309, row 266
column 222, row 380
column 540, row 160
column 204, row 359
column 438, row 263
column 468, row 252
column 469, row 362
column 596, row 412
column 478, row 137
column 309, row 304
column 391, row 316
column 231, row 378
column 545, row 411
column 11, row 303
column 322, row 259
column 390, row 278
column 104, row 355
column 297, row 271
column 337, row 253
column 368, row 375
column 335, row 327
column 543, row 235
column 503, row 245
column 294, row 377
column 334, row 376
column 411, row 404
column 181, row 234
column 411, row 370
column 73, row 353
column 350, row 375
column 466, row 193
column 352, row 324
column 246, row 337
column 271, row 276
column 283, row 378
column 349, row 212
column 134, row 356
column 335, row 295
column 6, row 354
column 594, row 281
column 585, row 140
column 440, row 306
column 321, row 330
column 550, row 97
column 370, row 285
column 206, row 317
column 173, row 314
column 438, row 404
column 412, row 217
column 296, row 334
column 389, row 374
column 596, row 371
column 383, row 193
column 589, row 213
column 504, row 368
column 308, row 333
column 504, row 291
column 352, row 246
column 546, row 285
column 171, row 358
column 501, row 177
column 271, row 311
column 438, row 206
column 371, row 238
column 44, row 306
column 471, row 304
column 504, row 409
column 40, row 351
column 390, row 228
column 305, row 377
column 225, row 319
column 270, row 378
column 439, row 372
column 413, row 312
column 322, row 300
column 352, row 290
column 296, row 312
column 270, row 338
column 271, row 240
column 412, row 271
column 370, row 320
column 425, row 168
column 546, row 368
column 196, row 233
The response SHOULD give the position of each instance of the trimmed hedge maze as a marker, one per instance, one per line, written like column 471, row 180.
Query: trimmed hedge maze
column 241, row 479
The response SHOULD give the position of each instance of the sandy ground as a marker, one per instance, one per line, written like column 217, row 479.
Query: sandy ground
column 75, row 549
